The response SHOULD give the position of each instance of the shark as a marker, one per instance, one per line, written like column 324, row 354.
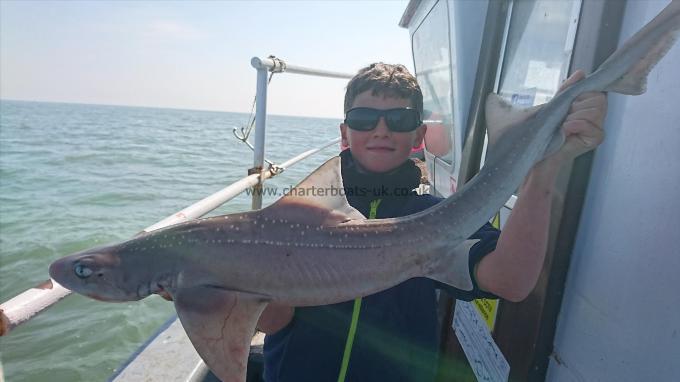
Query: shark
column 312, row 248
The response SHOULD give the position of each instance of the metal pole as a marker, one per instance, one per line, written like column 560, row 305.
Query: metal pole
column 260, row 126
column 207, row 204
column 215, row 200
column 307, row 153
column 24, row 306
column 278, row 66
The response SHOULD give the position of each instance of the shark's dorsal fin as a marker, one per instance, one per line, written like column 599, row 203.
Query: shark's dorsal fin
column 501, row 114
column 318, row 199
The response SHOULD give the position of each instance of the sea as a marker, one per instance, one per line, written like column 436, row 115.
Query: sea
column 75, row 176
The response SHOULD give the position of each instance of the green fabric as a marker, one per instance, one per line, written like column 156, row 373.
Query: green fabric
column 374, row 208
column 355, row 313
column 350, row 340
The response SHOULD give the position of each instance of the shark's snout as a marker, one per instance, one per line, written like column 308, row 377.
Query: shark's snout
column 97, row 273
column 57, row 270
column 69, row 272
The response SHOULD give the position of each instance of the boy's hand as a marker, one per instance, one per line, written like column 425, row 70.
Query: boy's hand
column 274, row 318
column 583, row 125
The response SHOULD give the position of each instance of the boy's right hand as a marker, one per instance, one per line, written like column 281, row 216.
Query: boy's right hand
column 274, row 318
column 583, row 124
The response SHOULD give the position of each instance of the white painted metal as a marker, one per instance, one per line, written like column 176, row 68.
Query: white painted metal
column 620, row 317
column 24, row 306
column 307, row 153
column 208, row 204
column 275, row 66
column 260, row 117
column 260, row 126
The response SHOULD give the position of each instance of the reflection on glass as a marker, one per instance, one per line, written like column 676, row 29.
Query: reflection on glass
column 538, row 50
column 433, row 71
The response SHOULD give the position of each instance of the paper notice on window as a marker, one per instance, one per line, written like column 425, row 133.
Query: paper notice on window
column 485, row 358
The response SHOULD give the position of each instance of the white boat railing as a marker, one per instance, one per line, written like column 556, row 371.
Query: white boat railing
column 29, row 303
column 224, row 195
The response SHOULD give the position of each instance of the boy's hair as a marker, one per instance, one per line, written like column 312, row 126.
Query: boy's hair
column 386, row 80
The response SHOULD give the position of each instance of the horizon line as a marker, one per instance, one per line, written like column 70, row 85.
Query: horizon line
column 161, row 107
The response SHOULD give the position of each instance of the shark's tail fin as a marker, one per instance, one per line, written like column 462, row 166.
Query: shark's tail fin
column 453, row 268
column 652, row 42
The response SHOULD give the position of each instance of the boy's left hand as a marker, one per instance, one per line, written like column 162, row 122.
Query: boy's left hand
column 583, row 125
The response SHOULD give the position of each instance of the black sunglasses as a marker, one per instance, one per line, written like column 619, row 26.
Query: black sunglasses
column 399, row 120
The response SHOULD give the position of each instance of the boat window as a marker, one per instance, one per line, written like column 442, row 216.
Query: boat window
column 431, row 54
column 538, row 49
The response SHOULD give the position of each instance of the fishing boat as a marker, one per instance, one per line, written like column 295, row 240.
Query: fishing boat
column 605, row 307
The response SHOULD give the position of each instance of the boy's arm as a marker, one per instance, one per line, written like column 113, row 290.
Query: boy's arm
column 512, row 269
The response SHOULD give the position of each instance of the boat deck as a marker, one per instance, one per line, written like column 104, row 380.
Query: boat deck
column 169, row 356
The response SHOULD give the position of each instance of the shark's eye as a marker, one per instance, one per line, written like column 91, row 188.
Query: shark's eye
column 82, row 271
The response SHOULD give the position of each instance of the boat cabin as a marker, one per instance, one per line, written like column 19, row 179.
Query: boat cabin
column 605, row 307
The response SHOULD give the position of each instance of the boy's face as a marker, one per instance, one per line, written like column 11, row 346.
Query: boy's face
column 380, row 150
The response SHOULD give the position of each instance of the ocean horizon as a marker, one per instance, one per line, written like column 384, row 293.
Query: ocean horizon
column 165, row 108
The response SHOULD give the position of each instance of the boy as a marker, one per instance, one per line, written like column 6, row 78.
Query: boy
column 392, row 335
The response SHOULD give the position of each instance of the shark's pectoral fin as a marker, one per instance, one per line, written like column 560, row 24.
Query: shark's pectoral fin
column 220, row 324
column 501, row 115
column 453, row 268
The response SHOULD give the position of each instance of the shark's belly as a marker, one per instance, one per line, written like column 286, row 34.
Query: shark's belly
column 306, row 276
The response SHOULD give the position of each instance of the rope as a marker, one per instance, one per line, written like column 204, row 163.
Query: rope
column 279, row 66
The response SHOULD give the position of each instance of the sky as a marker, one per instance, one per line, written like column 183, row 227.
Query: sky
column 193, row 55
